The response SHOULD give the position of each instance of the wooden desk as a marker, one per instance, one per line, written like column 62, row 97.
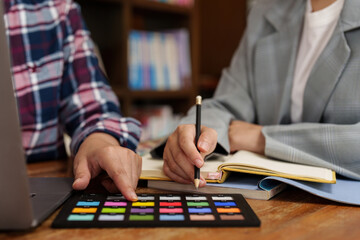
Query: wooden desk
column 293, row 214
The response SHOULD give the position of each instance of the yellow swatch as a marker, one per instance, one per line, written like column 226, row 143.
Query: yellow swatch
column 143, row 204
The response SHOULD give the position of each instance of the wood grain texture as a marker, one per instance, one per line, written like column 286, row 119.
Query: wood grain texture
column 293, row 214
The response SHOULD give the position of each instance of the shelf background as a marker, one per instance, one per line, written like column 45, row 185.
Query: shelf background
column 215, row 28
column 110, row 22
column 221, row 25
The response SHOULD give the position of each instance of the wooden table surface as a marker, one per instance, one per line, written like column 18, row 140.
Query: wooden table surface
column 293, row 214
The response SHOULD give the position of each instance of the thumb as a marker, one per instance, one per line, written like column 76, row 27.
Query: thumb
column 82, row 175
column 207, row 140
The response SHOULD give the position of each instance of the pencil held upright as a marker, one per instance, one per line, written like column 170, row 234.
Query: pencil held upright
column 197, row 135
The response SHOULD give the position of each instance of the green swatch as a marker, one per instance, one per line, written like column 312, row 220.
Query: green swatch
column 197, row 204
column 141, row 217
column 113, row 210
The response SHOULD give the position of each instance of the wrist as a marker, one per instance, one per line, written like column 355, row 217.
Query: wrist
column 246, row 136
column 101, row 138
column 97, row 140
column 260, row 141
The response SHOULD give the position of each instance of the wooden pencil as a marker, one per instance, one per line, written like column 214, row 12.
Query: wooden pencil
column 197, row 135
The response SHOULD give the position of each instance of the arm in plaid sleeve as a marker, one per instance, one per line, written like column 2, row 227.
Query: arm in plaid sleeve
column 88, row 103
column 102, row 140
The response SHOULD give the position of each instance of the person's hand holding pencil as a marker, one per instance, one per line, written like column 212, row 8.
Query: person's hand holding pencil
column 181, row 154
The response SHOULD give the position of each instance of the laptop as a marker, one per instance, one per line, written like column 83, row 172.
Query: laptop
column 24, row 202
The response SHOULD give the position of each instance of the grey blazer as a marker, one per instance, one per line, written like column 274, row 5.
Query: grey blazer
column 257, row 88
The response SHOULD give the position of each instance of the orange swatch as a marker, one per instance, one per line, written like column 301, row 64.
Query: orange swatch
column 228, row 210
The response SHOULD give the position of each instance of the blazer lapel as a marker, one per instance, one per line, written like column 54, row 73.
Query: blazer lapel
column 324, row 76
column 330, row 65
column 275, row 56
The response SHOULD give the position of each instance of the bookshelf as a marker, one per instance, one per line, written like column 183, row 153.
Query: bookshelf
column 214, row 27
column 111, row 22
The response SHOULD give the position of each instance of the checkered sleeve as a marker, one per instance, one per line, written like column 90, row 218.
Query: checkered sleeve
column 88, row 104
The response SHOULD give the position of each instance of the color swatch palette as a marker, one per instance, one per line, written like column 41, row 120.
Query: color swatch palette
column 156, row 210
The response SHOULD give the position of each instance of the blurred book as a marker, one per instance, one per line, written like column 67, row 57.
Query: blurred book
column 185, row 3
column 146, row 146
column 157, row 121
column 159, row 60
column 248, row 185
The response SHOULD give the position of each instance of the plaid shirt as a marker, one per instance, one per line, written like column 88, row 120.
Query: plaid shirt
column 59, row 85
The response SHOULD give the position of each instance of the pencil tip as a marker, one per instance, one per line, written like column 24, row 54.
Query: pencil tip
column 197, row 183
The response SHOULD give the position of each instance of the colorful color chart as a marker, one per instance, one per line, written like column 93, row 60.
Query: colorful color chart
column 156, row 210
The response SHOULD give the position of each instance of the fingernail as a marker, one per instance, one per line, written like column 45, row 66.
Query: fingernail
column 76, row 181
column 204, row 145
column 198, row 163
column 133, row 197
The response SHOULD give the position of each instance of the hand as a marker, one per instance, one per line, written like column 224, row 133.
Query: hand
column 180, row 153
column 101, row 151
column 246, row 136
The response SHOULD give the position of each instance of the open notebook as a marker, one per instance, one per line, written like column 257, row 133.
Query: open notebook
column 217, row 168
